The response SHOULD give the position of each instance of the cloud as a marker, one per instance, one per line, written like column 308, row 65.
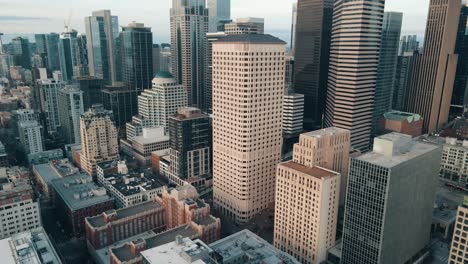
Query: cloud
column 22, row 18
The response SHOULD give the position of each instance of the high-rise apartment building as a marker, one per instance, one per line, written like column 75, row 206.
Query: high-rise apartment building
column 30, row 137
column 136, row 48
column 70, row 106
column 189, row 24
column 292, row 45
column 21, row 53
column 306, row 211
column 408, row 43
column 102, row 32
column 219, row 12
column 48, row 94
column 327, row 148
column 395, row 186
column 81, row 60
column 460, row 88
column 98, row 138
column 162, row 100
column 245, row 25
column 431, row 85
column 67, row 49
column 312, row 50
column 190, row 145
column 458, row 250
column 247, row 122
column 386, row 70
column 352, row 75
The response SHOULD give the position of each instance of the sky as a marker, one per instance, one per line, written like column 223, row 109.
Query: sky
column 24, row 17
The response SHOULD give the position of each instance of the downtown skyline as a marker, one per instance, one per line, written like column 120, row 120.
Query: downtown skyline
column 27, row 21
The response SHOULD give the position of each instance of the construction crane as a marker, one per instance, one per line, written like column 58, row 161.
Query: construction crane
column 67, row 22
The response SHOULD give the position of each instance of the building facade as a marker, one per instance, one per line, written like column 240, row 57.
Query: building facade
column 30, row 137
column 189, row 25
column 293, row 113
column 431, row 86
column 245, row 25
column 98, row 139
column 70, row 105
column 460, row 90
column 48, row 94
column 351, row 86
column 246, row 153
column 459, row 245
column 395, row 185
column 219, row 12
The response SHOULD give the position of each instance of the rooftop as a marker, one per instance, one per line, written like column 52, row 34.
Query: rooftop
column 251, row 38
column 392, row 149
column 99, row 220
column 246, row 243
column 316, row 171
column 164, row 75
column 78, row 191
column 182, row 250
column 46, row 172
column 30, row 247
column 402, row 116
column 132, row 182
column 330, row 131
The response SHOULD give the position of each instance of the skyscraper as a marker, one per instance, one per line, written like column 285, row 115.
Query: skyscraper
column 67, row 48
column 41, row 47
column 81, row 68
column 21, row 53
column 70, row 104
column 460, row 88
column 102, row 32
column 312, row 50
column 53, row 60
column 219, row 13
column 431, row 86
column 30, row 137
column 387, row 65
column 156, row 58
column 211, row 38
column 122, row 101
column 408, row 43
column 328, row 148
column 245, row 25
column 190, row 145
column 136, row 46
column 98, row 138
column 247, row 117
column 189, row 24
column 352, row 75
column 293, row 28
column 48, row 94
column 403, row 73
column 459, row 247
column 91, row 87
column 293, row 111
column 390, row 199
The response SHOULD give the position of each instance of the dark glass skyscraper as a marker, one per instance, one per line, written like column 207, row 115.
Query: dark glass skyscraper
column 389, row 45
column 189, row 24
column 91, row 87
column 53, row 60
column 102, row 32
column 312, row 50
column 460, row 88
column 21, row 53
column 123, row 103
column 136, row 47
column 408, row 43
column 67, row 53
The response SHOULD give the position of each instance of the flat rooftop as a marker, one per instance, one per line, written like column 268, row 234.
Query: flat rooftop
column 132, row 183
column 315, row 171
column 181, row 252
column 79, row 191
column 245, row 243
column 393, row 149
column 98, row 221
column 251, row 38
column 329, row 131
column 46, row 172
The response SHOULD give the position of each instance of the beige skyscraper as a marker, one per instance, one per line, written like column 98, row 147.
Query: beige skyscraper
column 352, row 75
column 459, row 248
column 328, row 148
column 306, row 210
column 248, row 86
column 431, row 84
column 98, row 138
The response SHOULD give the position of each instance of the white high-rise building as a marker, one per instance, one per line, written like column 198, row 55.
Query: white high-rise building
column 157, row 104
column 352, row 73
column 248, row 89
column 30, row 136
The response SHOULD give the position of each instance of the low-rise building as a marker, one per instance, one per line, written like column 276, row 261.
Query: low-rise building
column 401, row 122
column 141, row 147
column 115, row 225
column 19, row 209
column 45, row 173
column 29, row 247
column 248, row 248
column 126, row 185
column 77, row 198
column 454, row 163
column 45, row 156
